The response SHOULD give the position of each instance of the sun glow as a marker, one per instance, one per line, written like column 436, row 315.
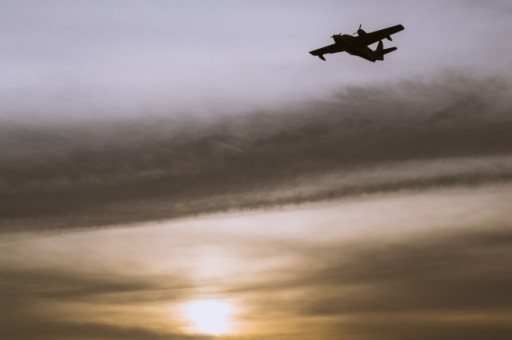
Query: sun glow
column 213, row 317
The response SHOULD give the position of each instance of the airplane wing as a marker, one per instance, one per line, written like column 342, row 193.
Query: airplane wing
column 373, row 37
column 334, row 48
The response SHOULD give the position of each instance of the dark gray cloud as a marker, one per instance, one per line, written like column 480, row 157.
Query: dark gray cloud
column 130, row 171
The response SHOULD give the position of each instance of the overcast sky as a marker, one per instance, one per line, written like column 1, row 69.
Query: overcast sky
column 153, row 153
column 86, row 59
column 106, row 104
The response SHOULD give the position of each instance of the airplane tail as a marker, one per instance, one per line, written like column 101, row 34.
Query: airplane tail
column 381, row 51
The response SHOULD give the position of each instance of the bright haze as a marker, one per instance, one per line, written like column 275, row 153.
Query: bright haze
column 187, row 170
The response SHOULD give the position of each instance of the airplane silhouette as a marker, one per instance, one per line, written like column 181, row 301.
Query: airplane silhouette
column 358, row 45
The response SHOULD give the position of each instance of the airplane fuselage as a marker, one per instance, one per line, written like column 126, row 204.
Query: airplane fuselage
column 350, row 44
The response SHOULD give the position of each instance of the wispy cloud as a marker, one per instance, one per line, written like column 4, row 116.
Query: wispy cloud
column 434, row 286
column 427, row 264
column 33, row 296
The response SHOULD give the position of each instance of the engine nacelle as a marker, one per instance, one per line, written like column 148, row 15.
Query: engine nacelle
column 336, row 38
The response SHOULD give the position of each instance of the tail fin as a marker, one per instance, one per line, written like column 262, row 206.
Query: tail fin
column 381, row 51
column 380, row 47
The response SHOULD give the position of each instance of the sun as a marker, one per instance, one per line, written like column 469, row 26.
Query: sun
column 212, row 317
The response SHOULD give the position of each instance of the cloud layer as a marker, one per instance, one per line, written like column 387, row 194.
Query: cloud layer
column 434, row 287
column 453, row 131
column 426, row 266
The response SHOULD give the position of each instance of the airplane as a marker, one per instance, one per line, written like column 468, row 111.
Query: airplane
column 358, row 45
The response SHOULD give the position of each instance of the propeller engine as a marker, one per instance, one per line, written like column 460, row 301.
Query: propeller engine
column 336, row 37
column 359, row 31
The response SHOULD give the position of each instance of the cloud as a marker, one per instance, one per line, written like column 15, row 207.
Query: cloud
column 118, row 172
column 32, row 301
column 90, row 288
column 44, row 329
column 461, row 272
column 436, row 265
column 436, row 285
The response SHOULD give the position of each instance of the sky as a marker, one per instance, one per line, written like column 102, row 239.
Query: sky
column 158, row 154
column 85, row 60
